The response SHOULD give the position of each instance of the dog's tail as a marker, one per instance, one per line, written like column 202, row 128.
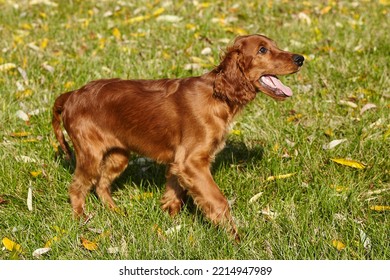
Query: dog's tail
column 56, row 123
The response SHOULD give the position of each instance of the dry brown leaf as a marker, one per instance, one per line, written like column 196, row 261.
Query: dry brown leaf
column 255, row 197
column 365, row 240
column 29, row 198
column 366, row 107
column 41, row 251
column 3, row 201
column 282, row 176
column 22, row 115
column 333, row 144
column 269, row 214
column 173, row 230
column 348, row 103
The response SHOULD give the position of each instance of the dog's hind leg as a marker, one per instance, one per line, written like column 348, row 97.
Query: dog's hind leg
column 114, row 163
column 85, row 176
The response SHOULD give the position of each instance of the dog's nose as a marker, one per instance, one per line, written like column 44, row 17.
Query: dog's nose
column 298, row 59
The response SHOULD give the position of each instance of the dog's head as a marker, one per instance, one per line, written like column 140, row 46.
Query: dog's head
column 252, row 64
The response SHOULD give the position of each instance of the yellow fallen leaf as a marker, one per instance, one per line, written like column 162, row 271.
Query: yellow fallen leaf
column 86, row 22
column 56, row 238
column 11, row 245
column 294, row 118
column 44, row 43
column 339, row 188
column 235, row 132
column 191, row 239
column 20, row 134
column 325, row 10
column 282, row 176
column 54, row 145
column 142, row 196
column 204, row 5
column 196, row 59
column 236, row 30
column 190, row 26
column 138, row 34
column 159, row 231
column 138, row 19
column 116, row 33
column 349, row 162
column 89, row 245
column 380, row 208
column 24, row 94
column 36, row 173
column 26, row 26
column 31, row 140
column 59, row 230
column 103, row 235
column 338, row 245
column 158, row 12
column 50, row 242
column 102, row 43
column 119, row 211
column 387, row 134
column 329, row 132
column 69, row 84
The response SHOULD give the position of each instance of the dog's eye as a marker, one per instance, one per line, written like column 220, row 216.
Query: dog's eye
column 263, row 50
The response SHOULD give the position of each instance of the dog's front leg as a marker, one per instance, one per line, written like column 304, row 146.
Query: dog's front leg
column 196, row 177
column 174, row 196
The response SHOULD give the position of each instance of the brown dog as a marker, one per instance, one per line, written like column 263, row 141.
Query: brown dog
column 180, row 122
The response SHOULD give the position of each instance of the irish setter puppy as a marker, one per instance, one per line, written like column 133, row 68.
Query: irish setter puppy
column 180, row 122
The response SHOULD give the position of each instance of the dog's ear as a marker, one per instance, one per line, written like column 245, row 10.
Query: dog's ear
column 231, row 83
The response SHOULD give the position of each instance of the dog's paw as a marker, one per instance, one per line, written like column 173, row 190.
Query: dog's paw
column 172, row 206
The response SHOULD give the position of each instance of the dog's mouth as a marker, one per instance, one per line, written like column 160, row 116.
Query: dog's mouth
column 273, row 87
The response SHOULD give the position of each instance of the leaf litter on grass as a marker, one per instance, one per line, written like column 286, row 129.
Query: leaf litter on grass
column 307, row 16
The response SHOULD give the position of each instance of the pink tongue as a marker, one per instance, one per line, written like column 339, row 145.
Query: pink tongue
column 274, row 82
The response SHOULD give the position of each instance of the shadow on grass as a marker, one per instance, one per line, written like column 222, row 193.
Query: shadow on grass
column 146, row 174
column 153, row 174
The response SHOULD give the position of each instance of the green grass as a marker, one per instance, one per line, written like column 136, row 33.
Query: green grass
column 347, row 59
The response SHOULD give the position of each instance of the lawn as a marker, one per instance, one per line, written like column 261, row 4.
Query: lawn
column 291, row 195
